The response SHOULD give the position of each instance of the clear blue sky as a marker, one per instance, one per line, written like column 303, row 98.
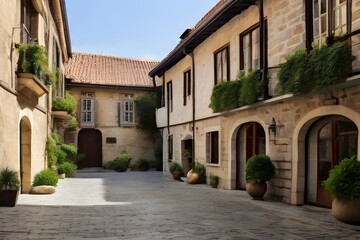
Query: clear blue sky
column 145, row 29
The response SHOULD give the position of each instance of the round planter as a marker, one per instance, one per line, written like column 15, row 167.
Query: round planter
column 176, row 175
column 256, row 190
column 346, row 210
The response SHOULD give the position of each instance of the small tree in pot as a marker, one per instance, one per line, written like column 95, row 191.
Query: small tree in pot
column 343, row 184
column 259, row 169
column 9, row 187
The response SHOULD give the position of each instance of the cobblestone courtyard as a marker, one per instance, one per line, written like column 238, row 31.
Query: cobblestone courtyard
column 149, row 205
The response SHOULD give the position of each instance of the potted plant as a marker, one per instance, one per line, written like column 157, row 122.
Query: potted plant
column 197, row 174
column 176, row 170
column 259, row 169
column 343, row 184
column 214, row 181
column 9, row 187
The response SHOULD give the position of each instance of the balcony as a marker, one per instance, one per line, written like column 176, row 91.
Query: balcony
column 31, row 87
column 161, row 117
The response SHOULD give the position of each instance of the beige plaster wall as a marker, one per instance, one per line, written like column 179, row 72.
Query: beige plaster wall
column 15, row 107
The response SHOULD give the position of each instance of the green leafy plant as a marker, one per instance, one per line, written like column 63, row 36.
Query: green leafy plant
column 246, row 89
column 68, row 168
column 33, row 59
column 9, row 180
column 79, row 158
column 73, row 124
column 259, row 168
column 140, row 165
column 46, row 177
column 214, row 180
column 344, row 179
column 176, row 167
column 69, row 149
column 225, row 96
column 120, row 163
column 200, row 169
column 67, row 104
column 145, row 110
column 304, row 72
column 51, row 151
column 250, row 89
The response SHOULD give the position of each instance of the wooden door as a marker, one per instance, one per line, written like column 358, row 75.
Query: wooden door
column 337, row 140
column 90, row 144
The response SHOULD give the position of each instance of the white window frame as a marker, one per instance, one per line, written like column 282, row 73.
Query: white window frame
column 87, row 114
column 127, row 111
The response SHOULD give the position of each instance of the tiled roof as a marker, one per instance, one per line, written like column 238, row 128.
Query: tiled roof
column 98, row 69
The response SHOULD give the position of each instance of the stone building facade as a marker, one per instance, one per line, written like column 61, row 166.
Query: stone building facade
column 304, row 135
column 25, row 101
column 106, row 89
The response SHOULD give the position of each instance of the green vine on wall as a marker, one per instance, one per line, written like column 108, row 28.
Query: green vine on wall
column 323, row 66
column 145, row 110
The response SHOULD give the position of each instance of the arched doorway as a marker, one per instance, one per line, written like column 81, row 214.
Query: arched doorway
column 250, row 140
column 329, row 140
column 25, row 155
column 90, row 144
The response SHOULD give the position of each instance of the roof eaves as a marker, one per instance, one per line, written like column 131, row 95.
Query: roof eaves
column 200, row 33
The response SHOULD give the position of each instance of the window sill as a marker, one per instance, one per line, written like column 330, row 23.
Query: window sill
column 213, row 164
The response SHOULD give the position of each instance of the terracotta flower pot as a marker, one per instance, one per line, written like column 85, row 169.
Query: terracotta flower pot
column 346, row 210
column 256, row 190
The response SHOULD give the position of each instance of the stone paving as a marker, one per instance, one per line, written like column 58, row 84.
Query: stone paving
column 150, row 205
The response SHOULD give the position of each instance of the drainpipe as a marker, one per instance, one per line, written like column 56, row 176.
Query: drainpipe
column 193, row 103
column 263, row 49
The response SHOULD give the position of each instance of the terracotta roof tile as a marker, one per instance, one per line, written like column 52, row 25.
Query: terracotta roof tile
column 109, row 70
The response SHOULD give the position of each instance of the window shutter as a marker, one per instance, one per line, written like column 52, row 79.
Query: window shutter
column 120, row 113
column 93, row 111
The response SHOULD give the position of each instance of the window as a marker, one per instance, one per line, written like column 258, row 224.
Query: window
column 170, row 96
column 87, row 110
column 170, row 147
column 327, row 15
column 212, row 147
column 127, row 113
column 30, row 21
column 222, row 67
column 187, row 85
column 127, row 110
column 250, row 49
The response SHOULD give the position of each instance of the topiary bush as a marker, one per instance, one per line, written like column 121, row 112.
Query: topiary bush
column 259, row 168
column 176, row 167
column 46, row 177
column 344, row 180
column 120, row 163
column 68, row 168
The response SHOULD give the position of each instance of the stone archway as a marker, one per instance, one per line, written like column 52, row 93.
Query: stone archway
column 234, row 145
column 25, row 155
column 298, row 183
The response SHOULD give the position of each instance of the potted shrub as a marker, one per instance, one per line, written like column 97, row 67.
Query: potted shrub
column 9, row 187
column 67, row 168
column 259, row 169
column 214, row 181
column 197, row 174
column 176, row 170
column 343, row 184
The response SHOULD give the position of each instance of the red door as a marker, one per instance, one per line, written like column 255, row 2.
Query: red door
column 90, row 144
